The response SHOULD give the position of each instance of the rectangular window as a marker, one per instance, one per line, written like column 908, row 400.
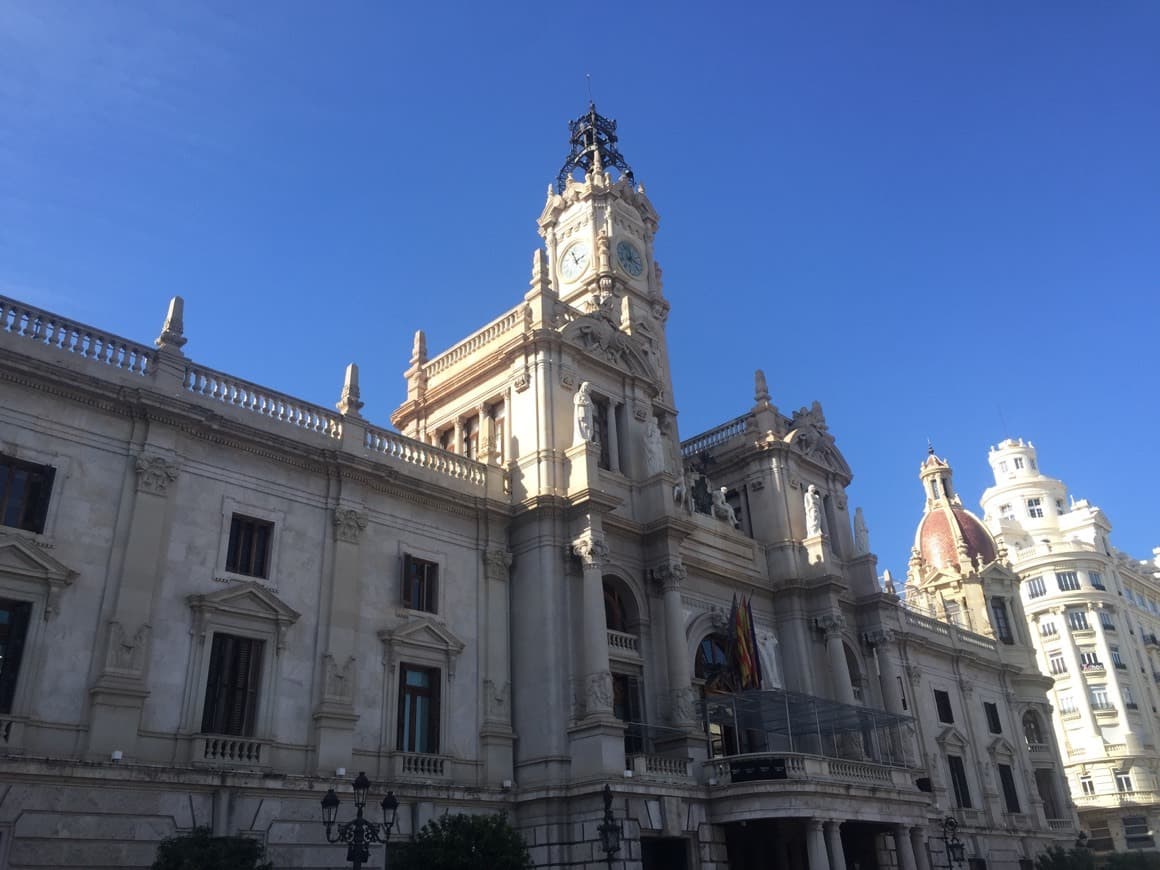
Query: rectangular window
column 600, row 432
column 1097, row 580
column 24, row 492
column 249, row 549
column 1089, row 660
column 231, row 692
column 1116, row 660
column 1002, row 624
column 902, row 693
column 1137, row 832
column 942, row 701
column 498, row 413
column 1047, row 628
column 1018, row 461
column 994, row 725
column 1006, row 512
column 1101, row 838
column 1036, row 587
column 1129, row 698
column 1107, row 621
column 1056, row 664
column 1099, row 698
column 1123, row 781
column 471, row 438
column 420, row 584
column 1035, row 508
column 418, row 709
column 626, row 707
column 1010, row 795
column 1087, row 786
column 1077, row 619
column 1068, row 580
column 1002, row 465
column 959, row 781
column 1066, row 703
column 13, row 632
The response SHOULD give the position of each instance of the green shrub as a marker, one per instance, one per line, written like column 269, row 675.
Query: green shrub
column 462, row 842
column 1058, row 858
column 200, row 850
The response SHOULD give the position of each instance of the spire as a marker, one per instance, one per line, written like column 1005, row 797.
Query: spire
column 172, row 335
column 349, row 403
column 593, row 148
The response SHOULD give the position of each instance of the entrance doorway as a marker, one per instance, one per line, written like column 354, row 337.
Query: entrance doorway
column 664, row 853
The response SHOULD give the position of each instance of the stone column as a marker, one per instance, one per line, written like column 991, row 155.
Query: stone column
column 880, row 641
column 595, row 674
column 836, row 650
column 816, row 846
column 334, row 716
column 904, row 848
column 834, row 841
column 119, row 692
column 918, row 846
column 496, row 736
column 669, row 576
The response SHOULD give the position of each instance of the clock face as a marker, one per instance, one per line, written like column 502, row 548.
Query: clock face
column 574, row 261
column 629, row 258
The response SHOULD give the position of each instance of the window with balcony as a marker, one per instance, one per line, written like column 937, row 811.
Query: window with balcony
column 470, row 446
column 1032, row 729
column 1098, row 695
column 13, row 633
column 1036, row 587
column 942, row 702
column 619, row 614
column 959, row 781
column 1123, row 781
column 1086, row 785
column 1129, row 698
column 1035, row 508
column 1078, row 620
column 994, row 723
column 1068, row 580
column 420, row 584
column 498, row 414
column 231, row 691
column 1066, row 703
column 1056, row 664
column 25, row 489
column 1096, row 579
column 1089, row 660
column 1010, row 795
column 711, row 668
column 248, row 551
column 1047, row 628
column 418, row 726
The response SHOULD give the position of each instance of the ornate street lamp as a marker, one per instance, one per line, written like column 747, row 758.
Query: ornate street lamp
column 358, row 833
column 609, row 829
column 955, row 850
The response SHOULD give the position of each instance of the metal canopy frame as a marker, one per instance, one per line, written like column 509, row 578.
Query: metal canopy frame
column 592, row 134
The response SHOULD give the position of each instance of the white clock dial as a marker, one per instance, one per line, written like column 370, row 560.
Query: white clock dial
column 629, row 258
column 574, row 261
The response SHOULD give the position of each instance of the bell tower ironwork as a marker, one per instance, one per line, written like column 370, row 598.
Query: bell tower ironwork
column 593, row 143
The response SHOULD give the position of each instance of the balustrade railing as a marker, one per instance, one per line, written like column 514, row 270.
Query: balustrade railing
column 802, row 766
column 425, row 456
column 414, row 764
column 706, row 440
column 88, row 343
column 620, row 641
column 230, row 750
column 473, row 343
column 272, row 405
column 1061, row 824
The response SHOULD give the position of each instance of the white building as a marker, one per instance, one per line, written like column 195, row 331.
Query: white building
column 216, row 595
column 1095, row 621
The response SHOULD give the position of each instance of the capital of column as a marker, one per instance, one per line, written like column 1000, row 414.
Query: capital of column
column 832, row 825
column 668, row 576
column 878, row 637
column 815, row 825
column 591, row 550
column 831, row 625
column 496, row 564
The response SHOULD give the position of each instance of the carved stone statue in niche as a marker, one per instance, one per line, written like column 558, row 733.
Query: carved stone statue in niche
column 654, row 448
column 813, row 503
column 722, row 510
column 584, row 423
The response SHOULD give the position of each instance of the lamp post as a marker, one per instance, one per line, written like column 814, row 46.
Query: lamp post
column 609, row 829
column 954, row 845
column 358, row 833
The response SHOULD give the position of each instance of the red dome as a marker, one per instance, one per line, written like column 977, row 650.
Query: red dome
column 938, row 542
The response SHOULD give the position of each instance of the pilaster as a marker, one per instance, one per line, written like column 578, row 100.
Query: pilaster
column 496, row 736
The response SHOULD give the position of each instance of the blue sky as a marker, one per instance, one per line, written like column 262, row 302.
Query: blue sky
column 940, row 220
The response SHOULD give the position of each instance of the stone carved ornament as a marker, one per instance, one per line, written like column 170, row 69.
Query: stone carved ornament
column 598, row 692
column 813, row 505
column 155, row 473
column 591, row 550
column 669, row 575
column 722, row 510
column 585, row 431
column 339, row 679
column 349, row 524
column 127, row 653
column 496, row 564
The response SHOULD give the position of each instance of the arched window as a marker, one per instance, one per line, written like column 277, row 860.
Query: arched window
column 712, row 657
column 619, row 606
column 1032, row 729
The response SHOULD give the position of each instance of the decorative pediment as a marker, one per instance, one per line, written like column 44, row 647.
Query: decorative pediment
column 1001, row 746
column 424, row 637
column 598, row 335
column 21, row 560
column 951, row 738
column 810, row 436
column 245, row 600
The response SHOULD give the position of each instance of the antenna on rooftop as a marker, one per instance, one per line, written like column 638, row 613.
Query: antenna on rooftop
column 588, row 76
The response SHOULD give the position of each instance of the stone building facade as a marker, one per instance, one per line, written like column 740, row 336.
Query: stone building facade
column 1093, row 615
column 219, row 601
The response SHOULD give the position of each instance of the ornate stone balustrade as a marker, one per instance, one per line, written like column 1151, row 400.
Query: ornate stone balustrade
column 1038, row 747
column 228, row 751
column 415, row 765
column 1117, row 798
column 951, row 632
column 270, row 404
column 473, row 343
column 661, row 768
column 706, row 440
column 1061, row 824
column 85, row 342
column 817, row 768
column 425, row 456
column 622, row 642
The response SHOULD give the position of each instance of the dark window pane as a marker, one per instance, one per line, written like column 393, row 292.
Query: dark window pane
column 420, row 584
column 231, row 690
column 959, row 781
column 993, row 722
column 25, row 489
column 418, row 726
column 13, row 632
column 1010, row 795
column 943, row 702
column 248, row 551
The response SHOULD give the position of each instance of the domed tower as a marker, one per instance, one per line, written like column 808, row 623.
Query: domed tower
column 956, row 571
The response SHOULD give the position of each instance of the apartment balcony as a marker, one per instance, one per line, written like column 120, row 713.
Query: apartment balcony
column 623, row 645
column 1116, row 799
column 655, row 753
column 1038, row 748
column 229, row 751
column 796, row 769
column 1093, row 668
column 1151, row 640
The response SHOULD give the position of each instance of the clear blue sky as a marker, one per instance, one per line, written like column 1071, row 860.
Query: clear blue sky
column 939, row 219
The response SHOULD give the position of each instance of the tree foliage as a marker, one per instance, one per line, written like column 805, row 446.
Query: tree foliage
column 200, row 850
column 463, row 842
column 1058, row 858
column 1133, row 861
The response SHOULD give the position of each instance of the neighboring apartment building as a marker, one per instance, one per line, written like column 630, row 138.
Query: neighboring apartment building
column 1095, row 620
column 215, row 596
